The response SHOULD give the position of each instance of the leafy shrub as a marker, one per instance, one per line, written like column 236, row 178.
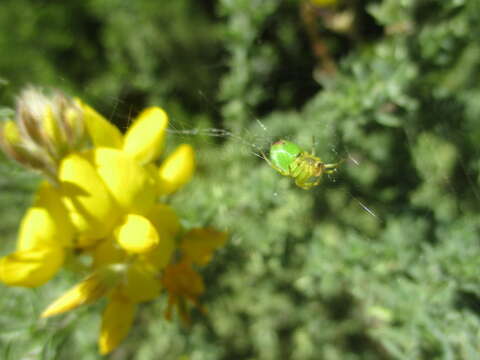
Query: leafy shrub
column 378, row 263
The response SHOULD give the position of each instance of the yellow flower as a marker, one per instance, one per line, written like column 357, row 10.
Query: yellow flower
column 176, row 170
column 46, row 223
column 199, row 244
column 133, row 282
column 110, row 193
column 181, row 280
column 132, row 185
column 107, row 252
column 144, row 140
column 167, row 224
column 137, row 235
column 87, row 291
column 45, row 234
column 104, row 184
column 102, row 132
column 31, row 268
column 104, row 204
column 143, row 143
column 139, row 283
column 182, row 283
column 91, row 207
column 116, row 323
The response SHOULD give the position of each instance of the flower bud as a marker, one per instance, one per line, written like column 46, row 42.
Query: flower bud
column 12, row 143
column 47, row 129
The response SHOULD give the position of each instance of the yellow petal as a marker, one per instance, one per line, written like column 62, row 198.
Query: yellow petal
column 101, row 131
column 91, row 208
column 87, row 291
column 161, row 255
column 176, row 170
column 164, row 219
column 132, row 186
column 140, row 284
column 167, row 224
column 32, row 267
column 116, row 323
column 46, row 223
column 50, row 126
column 182, row 283
column 137, row 234
column 199, row 244
column 182, row 280
column 145, row 138
column 107, row 252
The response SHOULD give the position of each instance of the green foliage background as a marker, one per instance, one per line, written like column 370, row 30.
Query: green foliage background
column 306, row 274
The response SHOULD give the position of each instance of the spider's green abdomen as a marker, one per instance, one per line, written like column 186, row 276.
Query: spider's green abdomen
column 283, row 153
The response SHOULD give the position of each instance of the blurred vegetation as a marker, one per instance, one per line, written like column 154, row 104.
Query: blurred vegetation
column 392, row 86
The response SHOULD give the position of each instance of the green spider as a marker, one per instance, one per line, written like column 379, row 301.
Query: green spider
column 290, row 160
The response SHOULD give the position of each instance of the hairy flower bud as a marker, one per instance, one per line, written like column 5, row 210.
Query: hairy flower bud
column 47, row 129
column 12, row 143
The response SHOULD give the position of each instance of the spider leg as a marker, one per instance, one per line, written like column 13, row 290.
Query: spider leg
column 314, row 143
column 264, row 157
column 331, row 168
